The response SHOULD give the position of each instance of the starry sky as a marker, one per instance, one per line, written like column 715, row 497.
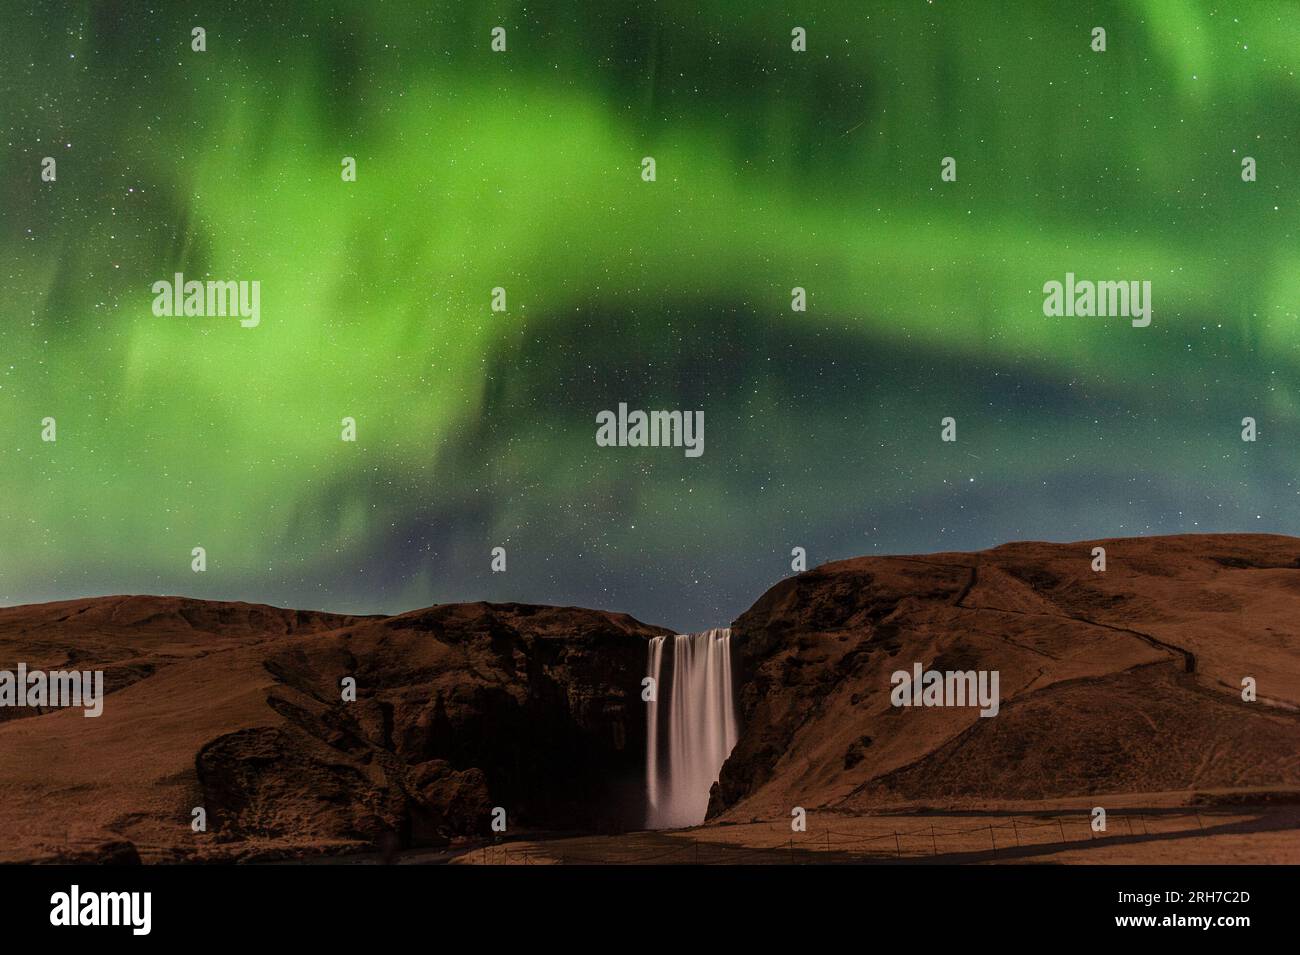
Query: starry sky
column 522, row 170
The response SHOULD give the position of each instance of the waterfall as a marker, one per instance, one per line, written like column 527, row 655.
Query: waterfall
column 683, row 763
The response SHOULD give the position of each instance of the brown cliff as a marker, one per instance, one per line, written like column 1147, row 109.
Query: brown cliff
column 1123, row 681
column 238, row 709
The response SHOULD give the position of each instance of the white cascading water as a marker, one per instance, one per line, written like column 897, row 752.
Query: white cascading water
column 700, row 731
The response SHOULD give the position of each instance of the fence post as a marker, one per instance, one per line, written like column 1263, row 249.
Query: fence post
column 993, row 839
column 1060, row 825
column 898, row 846
column 1016, row 830
column 933, row 843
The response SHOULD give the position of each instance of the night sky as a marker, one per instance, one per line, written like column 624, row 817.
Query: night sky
column 522, row 170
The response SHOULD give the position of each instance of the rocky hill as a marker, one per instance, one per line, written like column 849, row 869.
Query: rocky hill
column 1127, row 680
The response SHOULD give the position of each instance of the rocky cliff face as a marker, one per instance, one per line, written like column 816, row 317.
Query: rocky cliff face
column 239, row 710
column 1127, row 680
column 460, row 709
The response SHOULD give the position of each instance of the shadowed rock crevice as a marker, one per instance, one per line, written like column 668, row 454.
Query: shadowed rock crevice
column 459, row 709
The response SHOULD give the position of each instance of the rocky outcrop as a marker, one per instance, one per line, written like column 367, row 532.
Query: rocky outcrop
column 459, row 709
column 240, row 711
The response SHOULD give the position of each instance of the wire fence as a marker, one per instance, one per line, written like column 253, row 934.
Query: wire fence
column 756, row 843
column 991, row 840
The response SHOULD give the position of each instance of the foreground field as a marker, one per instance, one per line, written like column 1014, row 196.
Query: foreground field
column 1177, row 835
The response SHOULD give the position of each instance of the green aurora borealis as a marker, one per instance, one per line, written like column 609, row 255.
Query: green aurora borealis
column 522, row 169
